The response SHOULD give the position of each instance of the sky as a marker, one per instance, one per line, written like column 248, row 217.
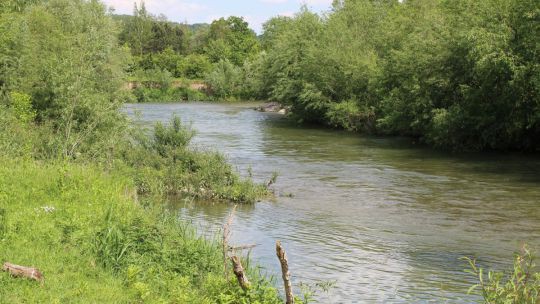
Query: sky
column 255, row 12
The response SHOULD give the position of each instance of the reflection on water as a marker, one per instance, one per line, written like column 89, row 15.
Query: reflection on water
column 387, row 221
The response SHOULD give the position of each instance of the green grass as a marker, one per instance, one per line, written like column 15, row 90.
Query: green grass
column 98, row 244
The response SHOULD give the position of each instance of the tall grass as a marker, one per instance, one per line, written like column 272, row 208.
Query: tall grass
column 95, row 243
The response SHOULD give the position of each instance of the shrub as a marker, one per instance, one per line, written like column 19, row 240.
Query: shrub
column 349, row 116
column 522, row 285
column 194, row 66
column 21, row 105
column 225, row 80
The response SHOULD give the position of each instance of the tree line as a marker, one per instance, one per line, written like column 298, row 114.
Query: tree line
column 457, row 75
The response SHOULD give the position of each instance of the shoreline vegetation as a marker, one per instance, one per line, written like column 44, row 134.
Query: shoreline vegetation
column 82, row 189
column 455, row 75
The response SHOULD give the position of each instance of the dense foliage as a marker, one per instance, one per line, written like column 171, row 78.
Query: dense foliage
column 79, row 185
column 460, row 75
column 82, row 188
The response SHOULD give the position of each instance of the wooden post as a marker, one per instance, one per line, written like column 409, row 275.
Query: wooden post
column 239, row 272
column 23, row 272
column 226, row 236
column 282, row 256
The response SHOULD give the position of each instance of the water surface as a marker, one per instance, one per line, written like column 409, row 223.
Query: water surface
column 385, row 220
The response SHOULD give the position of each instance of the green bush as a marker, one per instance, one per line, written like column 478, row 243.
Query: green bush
column 225, row 80
column 17, row 139
column 349, row 116
column 521, row 285
column 21, row 105
column 194, row 66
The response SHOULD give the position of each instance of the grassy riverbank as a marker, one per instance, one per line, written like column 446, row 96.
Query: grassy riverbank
column 90, row 235
column 82, row 188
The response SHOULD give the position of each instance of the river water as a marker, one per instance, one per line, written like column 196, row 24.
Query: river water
column 384, row 220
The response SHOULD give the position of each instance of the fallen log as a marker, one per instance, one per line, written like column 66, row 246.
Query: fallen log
column 240, row 273
column 23, row 272
column 282, row 256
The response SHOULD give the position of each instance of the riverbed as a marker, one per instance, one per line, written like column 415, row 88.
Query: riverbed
column 382, row 219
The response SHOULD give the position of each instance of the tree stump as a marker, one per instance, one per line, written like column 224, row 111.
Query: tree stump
column 240, row 273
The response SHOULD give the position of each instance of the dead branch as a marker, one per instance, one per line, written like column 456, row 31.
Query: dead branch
column 242, row 247
column 239, row 272
column 282, row 256
column 23, row 272
column 226, row 236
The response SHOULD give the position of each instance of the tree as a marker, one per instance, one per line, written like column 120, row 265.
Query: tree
column 231, row 39
column 71, row 71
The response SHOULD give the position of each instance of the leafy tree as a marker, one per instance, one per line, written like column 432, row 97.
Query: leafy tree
column 231, row 39
column 459, row 75
column 225, row 80
column 194, row 66
column 72, row 71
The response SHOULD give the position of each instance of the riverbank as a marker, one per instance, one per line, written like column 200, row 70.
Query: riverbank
column 345, row 202
column 94, row 240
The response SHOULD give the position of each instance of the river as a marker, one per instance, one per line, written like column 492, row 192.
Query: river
column 384, row 220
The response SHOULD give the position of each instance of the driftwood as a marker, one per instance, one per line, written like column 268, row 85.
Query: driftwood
column 282, row 256
column 23, row 272
column 226, row 236
column 240, row 273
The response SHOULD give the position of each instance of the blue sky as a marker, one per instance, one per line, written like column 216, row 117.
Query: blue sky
column 256, row 12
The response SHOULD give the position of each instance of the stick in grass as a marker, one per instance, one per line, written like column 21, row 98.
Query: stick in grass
column 282, row 256
column 23, row 272
column 226, row 236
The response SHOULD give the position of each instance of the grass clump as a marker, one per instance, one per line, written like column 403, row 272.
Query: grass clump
column 95, row 243
column 165, row 164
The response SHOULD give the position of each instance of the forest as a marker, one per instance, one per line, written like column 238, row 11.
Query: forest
column 82, row 186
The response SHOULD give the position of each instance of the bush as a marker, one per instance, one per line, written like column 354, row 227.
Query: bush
column 522, row 285
column 349, row 116
column 21, row 105
column 225, row 80
column 16, row 138
column 194, row 66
